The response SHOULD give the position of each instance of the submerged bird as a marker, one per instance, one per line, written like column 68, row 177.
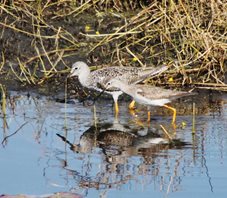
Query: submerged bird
column 149, row 95
column 130, row 75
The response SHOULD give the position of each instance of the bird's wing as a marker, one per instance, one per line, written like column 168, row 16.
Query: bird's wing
column 152, row 92
column 128, row 75
column 102, row 76
column 143, row 74
column 131, row 75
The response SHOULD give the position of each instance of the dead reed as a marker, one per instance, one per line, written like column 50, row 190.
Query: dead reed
column 39, row 39
column 3, row 100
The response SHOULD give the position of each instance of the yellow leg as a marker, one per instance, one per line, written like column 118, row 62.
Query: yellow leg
column 132, row 112
column 148, row 116
column 174, row 113
column 116, row 108
column 132, row 105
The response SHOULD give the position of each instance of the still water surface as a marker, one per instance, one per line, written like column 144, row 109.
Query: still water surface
column 36, row 160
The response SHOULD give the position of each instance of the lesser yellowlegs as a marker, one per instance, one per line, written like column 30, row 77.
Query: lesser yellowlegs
column 130, row 75
column 149, row 95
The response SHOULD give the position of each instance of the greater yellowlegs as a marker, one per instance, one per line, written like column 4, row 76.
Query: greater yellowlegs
column 149, row 95
column 130, row 75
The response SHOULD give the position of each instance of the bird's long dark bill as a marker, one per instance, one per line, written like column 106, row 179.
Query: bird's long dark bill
column 95, row 99
column 98, row 96
column 69, row 75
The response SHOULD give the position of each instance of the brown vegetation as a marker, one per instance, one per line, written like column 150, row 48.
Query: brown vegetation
column 41, row 39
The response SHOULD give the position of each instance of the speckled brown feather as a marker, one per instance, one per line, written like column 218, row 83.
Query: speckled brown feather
column 129, row 75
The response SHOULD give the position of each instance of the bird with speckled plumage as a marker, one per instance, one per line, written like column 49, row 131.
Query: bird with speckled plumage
column 149, row 95
column 130, row 75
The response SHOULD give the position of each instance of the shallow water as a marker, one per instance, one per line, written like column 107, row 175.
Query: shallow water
column 99, row 160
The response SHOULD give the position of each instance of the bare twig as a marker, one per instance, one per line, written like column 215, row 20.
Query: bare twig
column 5, row 139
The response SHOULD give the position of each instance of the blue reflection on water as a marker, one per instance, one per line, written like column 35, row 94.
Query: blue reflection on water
column 36, row 161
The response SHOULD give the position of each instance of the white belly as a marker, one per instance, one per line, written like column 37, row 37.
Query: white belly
column 153, row 102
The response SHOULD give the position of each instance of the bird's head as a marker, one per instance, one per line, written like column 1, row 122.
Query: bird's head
column 78, row 68
column 113, row 83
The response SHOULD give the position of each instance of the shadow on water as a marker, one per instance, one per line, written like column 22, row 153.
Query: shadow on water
column 56, row 147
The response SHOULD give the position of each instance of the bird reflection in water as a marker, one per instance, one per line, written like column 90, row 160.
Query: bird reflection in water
column 118, row 143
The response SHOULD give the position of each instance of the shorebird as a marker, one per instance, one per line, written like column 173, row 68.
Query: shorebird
column 149, row 95
column 130, row 75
